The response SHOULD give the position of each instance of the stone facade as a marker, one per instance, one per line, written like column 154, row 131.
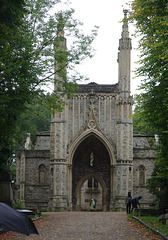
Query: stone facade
column 144, row 159
column 33, row 178
column 91, row 150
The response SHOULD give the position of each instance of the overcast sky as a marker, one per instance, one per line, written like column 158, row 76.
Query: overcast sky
column 107, row 14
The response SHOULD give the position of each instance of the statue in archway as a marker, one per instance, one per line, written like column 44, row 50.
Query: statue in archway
column 91, row 159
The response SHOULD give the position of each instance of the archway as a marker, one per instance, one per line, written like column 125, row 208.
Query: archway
column 91, row 160
column 96, row 190
column 92, row 132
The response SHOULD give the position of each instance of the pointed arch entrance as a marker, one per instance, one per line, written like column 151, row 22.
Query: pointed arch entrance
column 91, row 157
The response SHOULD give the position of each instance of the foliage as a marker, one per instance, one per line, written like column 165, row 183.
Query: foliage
column 154, row 223
column 19, row 205
column 27, row 60
column 158, row 183
column 129, row 216
column 140, row 123
column 10, row 20
column 151, row 20
column 13, row 171
column 11, row 12
column 34, row 119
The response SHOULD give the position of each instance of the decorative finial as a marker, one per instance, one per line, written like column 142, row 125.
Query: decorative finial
column 125, row 13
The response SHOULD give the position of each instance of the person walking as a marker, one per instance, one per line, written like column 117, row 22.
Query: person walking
column 92, row 206
column 128, row 202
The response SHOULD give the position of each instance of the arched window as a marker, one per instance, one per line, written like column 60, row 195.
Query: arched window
column 92, row 183
column 142, row 177
column 42, row 178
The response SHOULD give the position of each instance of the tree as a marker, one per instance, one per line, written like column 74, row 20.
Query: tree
column 140, row 123
column 11, row 12
column 35, row 118
column 151, row 20
column 27, row 61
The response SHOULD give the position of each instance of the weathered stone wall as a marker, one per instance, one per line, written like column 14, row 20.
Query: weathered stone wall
column 35, row 158
column 43, row 141
column 37, row 190
column 144, row 157
column 58, row 161
column 34, row 178
column 88, row 193
column 104, row 108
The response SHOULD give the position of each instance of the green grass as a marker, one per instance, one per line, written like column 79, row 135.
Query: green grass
column 42, row 215
column 130, row 215
column 45, row 215
column 154, row 223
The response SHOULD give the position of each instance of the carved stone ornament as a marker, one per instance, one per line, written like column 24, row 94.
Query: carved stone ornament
column 92, row 105
column 91, row 124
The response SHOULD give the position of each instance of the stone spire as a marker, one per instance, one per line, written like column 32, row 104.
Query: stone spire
column 124, row 59
column 125, row 33
column 124, row 126
column 60, row 46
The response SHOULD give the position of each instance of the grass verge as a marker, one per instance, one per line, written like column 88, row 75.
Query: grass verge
column 154, row 223
column 42, row 215
column 45, row 215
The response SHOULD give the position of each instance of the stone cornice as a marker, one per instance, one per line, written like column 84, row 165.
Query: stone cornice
column 124, row 162
column 125, row 100
column 106, row 88
column 53, row 161
column 125, row 44
column 58, row 120
column 96, row 96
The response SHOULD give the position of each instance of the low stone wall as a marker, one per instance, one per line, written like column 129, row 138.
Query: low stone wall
column 148, row 212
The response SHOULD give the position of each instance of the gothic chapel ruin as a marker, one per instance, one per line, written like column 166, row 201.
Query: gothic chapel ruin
column 90, row 151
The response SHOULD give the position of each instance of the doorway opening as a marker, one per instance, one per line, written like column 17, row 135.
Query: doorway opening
column 91, row 188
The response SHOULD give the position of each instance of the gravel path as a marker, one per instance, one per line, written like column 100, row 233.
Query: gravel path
column 84, row 225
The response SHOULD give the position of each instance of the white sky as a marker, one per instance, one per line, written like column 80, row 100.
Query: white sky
column 107, row 14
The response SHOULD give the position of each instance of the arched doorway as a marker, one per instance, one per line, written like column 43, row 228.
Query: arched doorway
column 91, row 162
column 91, row 186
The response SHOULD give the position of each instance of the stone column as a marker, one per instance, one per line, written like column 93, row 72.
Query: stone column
column 69, row 182
column 124, row 127
column 124, row 146
column 58, row 162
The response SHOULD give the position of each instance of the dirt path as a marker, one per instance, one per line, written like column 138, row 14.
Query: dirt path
column 85, row 226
